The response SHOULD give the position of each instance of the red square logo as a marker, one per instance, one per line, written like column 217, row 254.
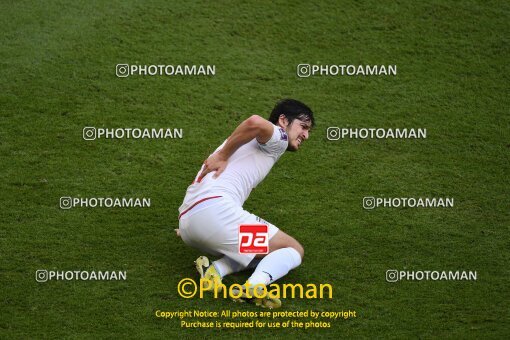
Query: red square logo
column 253, row 239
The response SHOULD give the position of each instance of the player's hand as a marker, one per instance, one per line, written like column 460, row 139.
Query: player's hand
column 216, row 162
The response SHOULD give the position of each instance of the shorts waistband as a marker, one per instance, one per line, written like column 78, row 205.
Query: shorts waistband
column 197, row 203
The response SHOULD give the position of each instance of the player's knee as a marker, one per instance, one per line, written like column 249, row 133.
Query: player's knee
column 282, row 240
column 293, row 243
column 299, row 248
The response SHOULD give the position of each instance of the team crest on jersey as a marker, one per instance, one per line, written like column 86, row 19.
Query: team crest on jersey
column 283, row 134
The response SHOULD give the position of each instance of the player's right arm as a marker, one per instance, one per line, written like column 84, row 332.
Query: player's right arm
column 253, row 127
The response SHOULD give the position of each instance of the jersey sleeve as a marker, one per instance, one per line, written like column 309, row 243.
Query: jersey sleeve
column 277, row 144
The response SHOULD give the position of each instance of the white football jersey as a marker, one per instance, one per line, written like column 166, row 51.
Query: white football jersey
column 246, row 168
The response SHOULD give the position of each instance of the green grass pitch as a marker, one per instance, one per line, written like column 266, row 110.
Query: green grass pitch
column 57, row 62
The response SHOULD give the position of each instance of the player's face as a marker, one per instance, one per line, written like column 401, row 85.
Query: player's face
column 298, row 131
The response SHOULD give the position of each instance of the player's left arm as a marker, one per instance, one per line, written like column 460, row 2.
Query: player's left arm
column 253, row 127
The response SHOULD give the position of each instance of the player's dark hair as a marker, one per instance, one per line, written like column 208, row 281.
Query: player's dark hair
column 291, row 109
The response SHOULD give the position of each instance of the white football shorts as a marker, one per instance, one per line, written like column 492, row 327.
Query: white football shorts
column 213, row 227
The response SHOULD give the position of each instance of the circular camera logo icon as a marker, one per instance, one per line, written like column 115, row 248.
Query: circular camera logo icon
column 41, row 275
column 333, row 133
column 122, row 70
column 89, row 133
column 304, row 70
column 392, row 275
column 369, row 202
column 66, row 203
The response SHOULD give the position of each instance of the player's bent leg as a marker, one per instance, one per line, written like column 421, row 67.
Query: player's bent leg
column 285, row 254
column 272, row 267
column 282, row 240
column 275, row 265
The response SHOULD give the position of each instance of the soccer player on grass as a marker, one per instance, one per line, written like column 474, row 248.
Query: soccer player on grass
column 212, row 211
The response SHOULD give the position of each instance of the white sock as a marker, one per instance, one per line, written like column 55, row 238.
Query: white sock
column 226, row 266
column 275, row 265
